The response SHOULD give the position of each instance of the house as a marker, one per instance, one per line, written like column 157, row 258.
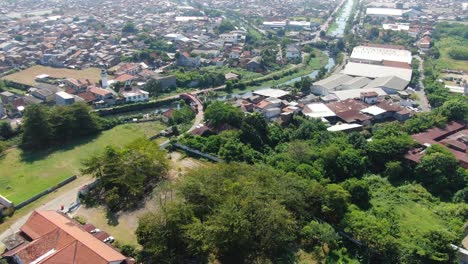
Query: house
column 453, row 137
column 166, row 81
column 293, row 52
column 104, row 95
column 231, row 76
column 7, row 97
column 133, row 94
column 63, row 98
column 77, row 85
column 183, row 59
column 424, row 44
column 52, row 237
column 369, row 97
column 255, row 64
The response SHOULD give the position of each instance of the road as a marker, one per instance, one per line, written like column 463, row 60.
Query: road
column 422, row 98
column 65, row 198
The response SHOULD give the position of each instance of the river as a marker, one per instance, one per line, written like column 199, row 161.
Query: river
column 329, row 66
column 342, row 19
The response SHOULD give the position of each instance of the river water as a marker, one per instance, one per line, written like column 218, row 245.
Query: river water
column 342, row 19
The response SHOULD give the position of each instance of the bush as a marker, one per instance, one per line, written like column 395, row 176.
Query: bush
column 459, row 53
column 80, row 219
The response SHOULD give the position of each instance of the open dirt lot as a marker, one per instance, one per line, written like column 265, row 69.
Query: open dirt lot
column 28, row 76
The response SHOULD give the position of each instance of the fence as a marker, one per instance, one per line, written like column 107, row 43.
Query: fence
column 133, row 107
column 39, row 195
column 196, row 152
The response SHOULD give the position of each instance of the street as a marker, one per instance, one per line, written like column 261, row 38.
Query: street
column 422, row 99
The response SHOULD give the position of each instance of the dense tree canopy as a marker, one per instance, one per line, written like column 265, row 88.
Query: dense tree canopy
column 44, row 127
column 126, row 174
column 220, row 113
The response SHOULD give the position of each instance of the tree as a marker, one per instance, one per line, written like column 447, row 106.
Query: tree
column 455, row 109
column 322, row 34
column 319, row 234
column 153, row 87
column 335, row 203
column 125, row 174
column 225, row 26
column 6, row 131
column 219, row 113
column 304, row 84
column 254, row 131
column 183, row 115
column 439, row 172
column 129, row 27
column 359, row 190
column 36, row 127
column 393, row 170
column 230, row 212
column 162, row 235
column 373, row 33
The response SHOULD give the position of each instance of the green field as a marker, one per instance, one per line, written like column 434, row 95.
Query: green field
column 445, row 61
column 23, row 175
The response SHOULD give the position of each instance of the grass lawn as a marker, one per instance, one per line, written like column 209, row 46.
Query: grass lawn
column 23, row 175
column 28, row 76
column 445, row 61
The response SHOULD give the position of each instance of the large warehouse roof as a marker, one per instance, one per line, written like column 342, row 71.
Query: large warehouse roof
column 277, row 93
column 376, row 71
column 381, row 54
column 384, row 11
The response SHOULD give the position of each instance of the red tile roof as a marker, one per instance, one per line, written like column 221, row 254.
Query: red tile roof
column 65, row 240
column 124, row 77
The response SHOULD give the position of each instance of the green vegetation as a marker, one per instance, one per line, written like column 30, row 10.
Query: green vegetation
column 451, row 40
column 459, row 53
column 225, row 26
column 125, row 174
column 199, row 79
column 43, row 127
column 23, row 174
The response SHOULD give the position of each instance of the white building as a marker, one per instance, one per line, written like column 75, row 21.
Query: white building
column 63, row 98
column 384, row 12
column 230, row 37
column 133, row 94
column 376, row 71
column 318, row 110
column 371, row 54
column 293, row 52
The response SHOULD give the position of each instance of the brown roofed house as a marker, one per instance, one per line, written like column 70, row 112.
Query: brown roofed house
column 52, row 237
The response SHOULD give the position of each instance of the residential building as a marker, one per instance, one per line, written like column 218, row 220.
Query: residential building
column 63, row 98
column 293, row 52
column 133, row 94
column 52, row 237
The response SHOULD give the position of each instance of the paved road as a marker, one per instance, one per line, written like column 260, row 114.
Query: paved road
column 66, row 199
column 422, row 98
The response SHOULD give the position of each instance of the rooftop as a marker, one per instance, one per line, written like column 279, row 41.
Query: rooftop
column 58, row 239
column 318, row 110
column 376, row 71
column 277, row 93
column 381, row 54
